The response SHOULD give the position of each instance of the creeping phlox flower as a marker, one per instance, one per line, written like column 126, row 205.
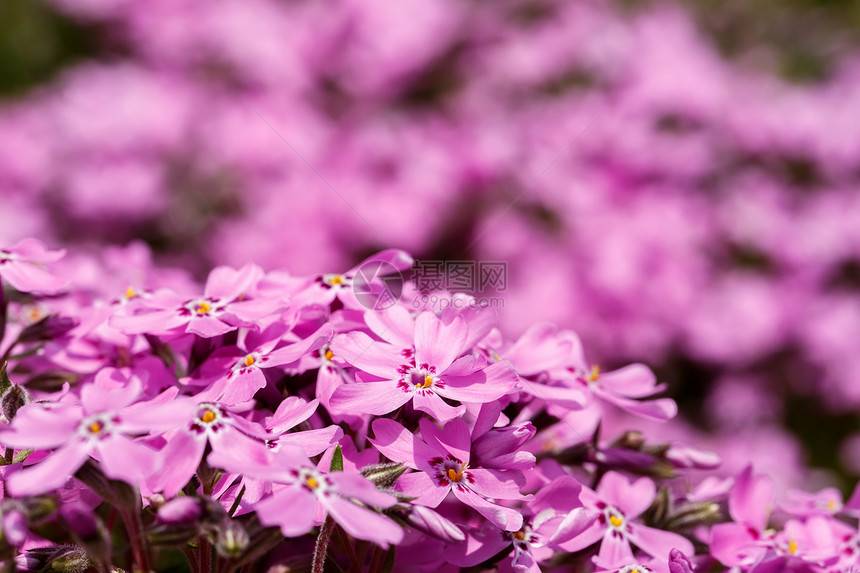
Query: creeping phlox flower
column 442, row 459
column 302, row 496
column 103, row 425
column 22, row 266
column 274, row 406
column 613, row 508
column 224, row 305
column 438, row 368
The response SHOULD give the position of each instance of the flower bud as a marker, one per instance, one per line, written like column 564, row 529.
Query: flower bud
column 13, row 400
column 692, row 458
column 231, row 539
column 631, row 440
column 430, row 522
column 50, row 380
column 15, row 528
column 384, row 475
column 692, row 515
column 87, row 530
column 49, row 328
column 67, row 558
column 71, row 560
column 678, row 562
column 180, row 511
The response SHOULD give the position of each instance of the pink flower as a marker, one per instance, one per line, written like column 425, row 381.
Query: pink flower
column 613, row 507
column 103, row 426
column 435, row 370
column 21, row 266
column 751, row 501
column 222, row 308
column 241, row 370
column 302, row 496
column 231, row 437
column 442, row 459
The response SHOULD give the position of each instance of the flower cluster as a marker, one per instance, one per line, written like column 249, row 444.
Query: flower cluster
column 705, row 210
column 239, row 420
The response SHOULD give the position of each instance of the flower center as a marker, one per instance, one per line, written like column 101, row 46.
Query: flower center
column 336, row 280
column 312, row 482
column 249, row 360
column 615, row 518
column 520, row 535
column 594, row 374
column 792, row 547
column 96, row 426
column 129, row 293
column 421, row 379
column 203, row 308
column 454, row 475
column 207, row 417
column 329, row 355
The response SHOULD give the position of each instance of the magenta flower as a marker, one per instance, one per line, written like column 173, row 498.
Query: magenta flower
column 435, row 370
column 743, row 541
column 291, row 412
column 828, row 501
column 21, row 266
column 367, row 277
column 232, row 437
column 554, row 512
column 302, row 496
column 241, row 371
column 613, row 508
column 442, row 459
column 223, row 307
column 102, row 426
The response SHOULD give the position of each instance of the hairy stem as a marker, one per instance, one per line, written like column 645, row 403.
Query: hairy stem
column 321, row 548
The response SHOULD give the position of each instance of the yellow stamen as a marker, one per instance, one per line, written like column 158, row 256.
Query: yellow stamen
column 428, row 381
column 329, row 355
column 792, row 547
column 207, row 416
column 595, row 373
column 129, row 293
column 312, row 483
column 203, row 308
column 336, row 280
column 454, row 475
column 249, row 360
column 35, row 314
column 520, row 535
column 615, row 521
column 95, row 427
column 831, row 504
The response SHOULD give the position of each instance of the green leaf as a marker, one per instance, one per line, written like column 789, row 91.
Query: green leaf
column 21, row 456
column 337, row 460
column 236, row 503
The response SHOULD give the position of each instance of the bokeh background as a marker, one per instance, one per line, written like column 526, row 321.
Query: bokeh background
column 676, row 181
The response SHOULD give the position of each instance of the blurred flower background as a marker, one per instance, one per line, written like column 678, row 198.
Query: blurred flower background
column 677, row 182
